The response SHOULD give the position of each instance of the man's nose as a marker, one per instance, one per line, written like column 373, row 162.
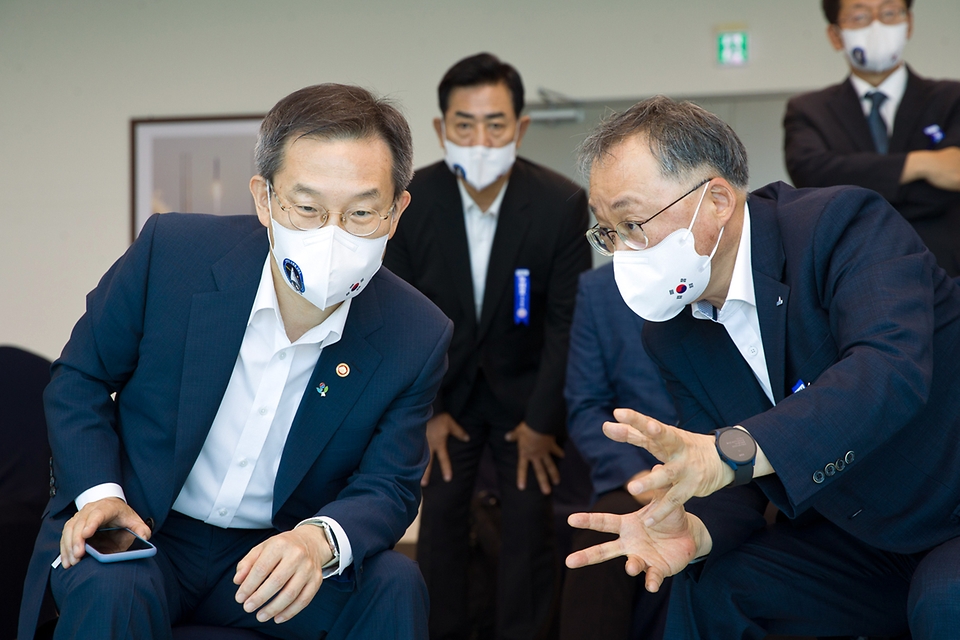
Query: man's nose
column 483, row 136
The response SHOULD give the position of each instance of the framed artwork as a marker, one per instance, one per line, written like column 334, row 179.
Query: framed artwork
column 191, row 165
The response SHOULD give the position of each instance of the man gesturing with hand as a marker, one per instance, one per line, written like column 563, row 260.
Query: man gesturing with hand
column 810, row 343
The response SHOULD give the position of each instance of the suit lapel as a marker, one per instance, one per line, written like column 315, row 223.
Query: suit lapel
column 452, row 232
column 772, row 296
column 846, row 108
column 721, row 371
column 512, row 225
column 908, row 112
column 218, row 320
column 318, row 417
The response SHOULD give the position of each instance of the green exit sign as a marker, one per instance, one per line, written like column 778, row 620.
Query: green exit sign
column 732, row 48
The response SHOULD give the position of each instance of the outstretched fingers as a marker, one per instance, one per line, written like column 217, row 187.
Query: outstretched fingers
column 595, row 554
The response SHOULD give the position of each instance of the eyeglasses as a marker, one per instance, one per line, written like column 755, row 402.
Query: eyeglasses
column 863, row 17
column 631, row 232
column 306, row 216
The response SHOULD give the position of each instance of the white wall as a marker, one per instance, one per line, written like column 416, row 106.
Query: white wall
column 73, row 73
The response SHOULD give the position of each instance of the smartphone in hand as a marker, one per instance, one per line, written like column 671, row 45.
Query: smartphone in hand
column 118, row 544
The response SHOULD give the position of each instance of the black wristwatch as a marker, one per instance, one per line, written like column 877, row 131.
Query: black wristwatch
column 739, row 450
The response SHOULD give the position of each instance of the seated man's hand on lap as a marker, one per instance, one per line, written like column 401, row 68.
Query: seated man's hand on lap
column 100, row 514
column 285, row 571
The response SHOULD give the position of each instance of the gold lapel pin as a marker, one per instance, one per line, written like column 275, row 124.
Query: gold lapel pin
column 343, row 369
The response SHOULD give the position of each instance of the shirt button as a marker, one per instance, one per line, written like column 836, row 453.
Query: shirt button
column 222, row 512
column 243, row 462
column 283, row 354
column 263, row 411
column 753, row 351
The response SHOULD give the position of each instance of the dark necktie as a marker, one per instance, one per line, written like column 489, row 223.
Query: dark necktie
column 878, row 128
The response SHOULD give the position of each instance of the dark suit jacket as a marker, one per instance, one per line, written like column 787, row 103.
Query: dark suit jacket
column 540, row 227
column 608, row 369
column 827, row 142
column 872, row 326
column 163, row 329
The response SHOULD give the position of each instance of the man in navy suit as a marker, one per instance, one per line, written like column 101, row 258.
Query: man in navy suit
column 812, row 346
column 884, row 127
column 250, row 393
column 607, row 368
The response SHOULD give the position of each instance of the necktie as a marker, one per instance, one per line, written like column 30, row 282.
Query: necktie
column 878, row 128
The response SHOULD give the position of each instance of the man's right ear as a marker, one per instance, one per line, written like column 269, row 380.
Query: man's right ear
column 438, row 127
column 835, row 36
column 261, row 198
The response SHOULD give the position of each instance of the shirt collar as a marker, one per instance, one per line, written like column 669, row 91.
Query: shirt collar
column 741, row 280
column 469, row 206
column 893, row 87
column 325, row 334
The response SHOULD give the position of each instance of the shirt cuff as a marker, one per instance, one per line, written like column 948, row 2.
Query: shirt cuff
column 343, row 544
column 99, row 492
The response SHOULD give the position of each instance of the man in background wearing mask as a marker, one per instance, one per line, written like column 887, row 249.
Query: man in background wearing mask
column 884, row 128
column 251, row 394
column 497, row 243
column 812, row 346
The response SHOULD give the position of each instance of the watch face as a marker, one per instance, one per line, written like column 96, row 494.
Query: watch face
column 737, row 445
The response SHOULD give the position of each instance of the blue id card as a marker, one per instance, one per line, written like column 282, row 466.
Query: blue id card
column 521, row 296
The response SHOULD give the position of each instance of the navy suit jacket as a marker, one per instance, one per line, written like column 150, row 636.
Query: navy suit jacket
column 163, row 329
column 540, row 227
column 851, row 303
column 827, row 142
column 607, row 369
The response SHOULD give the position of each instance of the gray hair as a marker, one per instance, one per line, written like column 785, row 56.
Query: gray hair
column 687, row 141
column 335, row 112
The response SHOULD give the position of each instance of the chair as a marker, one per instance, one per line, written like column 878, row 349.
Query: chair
column 24, row 472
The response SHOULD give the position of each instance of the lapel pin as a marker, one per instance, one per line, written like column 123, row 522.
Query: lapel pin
column 779, row 301
column 343, row 369
column 322, row 389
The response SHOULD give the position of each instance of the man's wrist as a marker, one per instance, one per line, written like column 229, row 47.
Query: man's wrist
column 329, row 549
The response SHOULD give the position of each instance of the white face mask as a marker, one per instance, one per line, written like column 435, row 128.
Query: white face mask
column 478, row 165
column 876, row 48
column 657, row 283
column 326, row 265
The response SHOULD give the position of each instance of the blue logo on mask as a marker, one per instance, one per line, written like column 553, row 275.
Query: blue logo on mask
column 293, row 274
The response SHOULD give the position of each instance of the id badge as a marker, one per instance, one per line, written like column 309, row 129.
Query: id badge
column 521, row 296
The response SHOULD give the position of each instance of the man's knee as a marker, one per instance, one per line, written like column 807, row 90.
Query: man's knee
column 130, row 599
column 393, row 572
column 934, row 601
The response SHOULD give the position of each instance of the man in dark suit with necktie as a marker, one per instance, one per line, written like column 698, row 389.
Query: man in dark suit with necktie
column 496, row 242
column 884, row 128
column 812, row 346
column 266, row 432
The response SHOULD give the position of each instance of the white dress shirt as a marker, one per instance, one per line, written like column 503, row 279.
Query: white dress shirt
column 739, row 312
column 481, row 228
column 231, row 483
column 893, row 87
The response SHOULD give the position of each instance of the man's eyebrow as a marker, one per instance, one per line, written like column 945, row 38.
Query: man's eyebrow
column 486, row 116
column 363, row 195
column 624, row 203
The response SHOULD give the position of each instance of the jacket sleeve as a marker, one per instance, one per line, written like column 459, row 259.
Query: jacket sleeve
column 99, row 358
column 545, row 413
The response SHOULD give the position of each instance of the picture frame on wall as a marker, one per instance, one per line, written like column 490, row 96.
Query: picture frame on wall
column 191, row 165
